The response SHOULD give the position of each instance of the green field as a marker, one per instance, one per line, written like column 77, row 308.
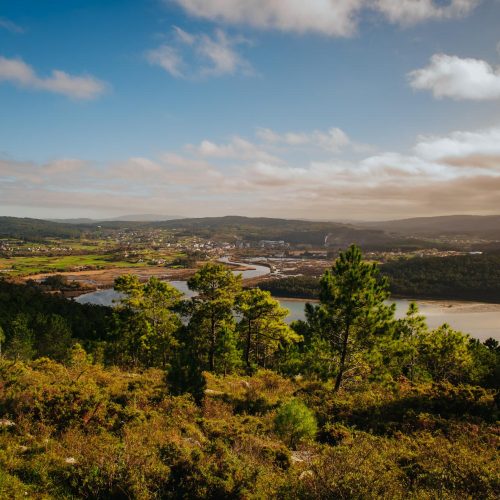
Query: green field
column 22, row 266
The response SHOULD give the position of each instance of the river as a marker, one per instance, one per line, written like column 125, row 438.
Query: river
column 480, row 320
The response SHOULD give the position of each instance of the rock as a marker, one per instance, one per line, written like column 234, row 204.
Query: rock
column 70, row 460
column 192, row 441
column 301, row 456
column 213, row 392
column 306, row 475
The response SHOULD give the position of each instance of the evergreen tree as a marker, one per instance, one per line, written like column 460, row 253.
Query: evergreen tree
column 53, row 337
column 262, row 326
column 401, row 352
column 445, row 355
column 20, row 340
column 228, row 353
column 185, row 375
column 212, row 308
column 352, row 310
column 149, row 324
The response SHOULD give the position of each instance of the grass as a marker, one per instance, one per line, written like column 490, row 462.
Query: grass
column 37, row 264
column 22, row 266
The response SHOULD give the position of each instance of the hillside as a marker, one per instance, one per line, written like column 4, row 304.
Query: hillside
column 230, row 228
column 487, row 227
column 35, row 229
column 334, row 234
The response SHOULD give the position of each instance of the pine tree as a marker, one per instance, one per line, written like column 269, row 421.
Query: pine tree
column 352, row 306
column 212, row 308
column 20, row 343
column 149, row 323
column 262, row 326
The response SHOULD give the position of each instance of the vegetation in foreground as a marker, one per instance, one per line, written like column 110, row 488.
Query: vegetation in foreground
column 216, row 397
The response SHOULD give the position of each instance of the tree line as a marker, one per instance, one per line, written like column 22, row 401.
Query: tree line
column 462, row 277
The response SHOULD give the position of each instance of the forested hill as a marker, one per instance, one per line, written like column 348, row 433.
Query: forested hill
column 34, row 229
column 230, row 229
column 463, row 277
column 334, row 234
column 407, row 233
column 37, row 229
column 487, row 226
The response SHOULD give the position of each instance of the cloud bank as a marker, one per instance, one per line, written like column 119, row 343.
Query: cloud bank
column 458, row 172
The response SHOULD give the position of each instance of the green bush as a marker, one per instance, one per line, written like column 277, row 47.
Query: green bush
column 295, row 422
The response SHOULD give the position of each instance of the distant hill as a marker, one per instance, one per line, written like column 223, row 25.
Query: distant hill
column 331, row 234
column 83, row 220
column 406, row 234
column 145, row 218
column 122, row 218
column 478, row 226
column 36, row 229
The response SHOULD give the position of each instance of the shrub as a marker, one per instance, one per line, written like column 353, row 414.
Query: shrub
column 295, row 422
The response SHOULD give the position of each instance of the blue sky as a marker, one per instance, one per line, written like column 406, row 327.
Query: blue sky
column 354, row 109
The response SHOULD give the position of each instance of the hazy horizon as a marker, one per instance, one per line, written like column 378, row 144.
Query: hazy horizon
column 355, row 110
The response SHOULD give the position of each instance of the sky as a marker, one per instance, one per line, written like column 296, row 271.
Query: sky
column 317, row 109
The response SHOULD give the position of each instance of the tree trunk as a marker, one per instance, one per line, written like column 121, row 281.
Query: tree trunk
column 343, row 355
column 247, row 347
column 212, row 346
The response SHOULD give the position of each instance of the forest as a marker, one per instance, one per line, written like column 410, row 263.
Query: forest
column 217, row 397
column 467, row 277
column 461, row 277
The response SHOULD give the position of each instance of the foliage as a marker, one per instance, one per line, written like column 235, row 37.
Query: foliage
column 262, row 326
column 469, row 277
column 212, row 307
column 82, row 431
column 149, row 325
column 462, row 277
column 161, row 406
column 294, row 422
column 352, row 308
column 87, row 323
column 302, row 287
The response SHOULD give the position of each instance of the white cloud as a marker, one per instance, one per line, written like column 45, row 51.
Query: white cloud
column 237, row 149
column 408, row 12
column 168, row 58
column 10, row 25
column 480, row 148
column 198, row 55
column 451, row 76
column 327, row 17
column 220, row 53
column 332, row 140
column 336, row 18
column 78, row 87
